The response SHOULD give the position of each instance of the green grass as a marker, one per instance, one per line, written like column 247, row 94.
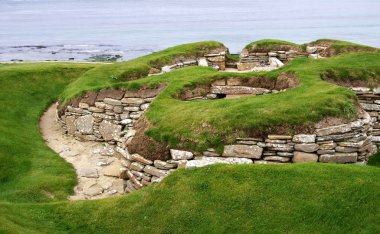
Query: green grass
column 306, row 198
column 113, row 74
column 181, row 124
column 30, row 171
column 309, row 198
column 267, row 45
column 340, row 47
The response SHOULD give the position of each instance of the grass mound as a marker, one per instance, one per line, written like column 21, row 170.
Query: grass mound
column 267, row 45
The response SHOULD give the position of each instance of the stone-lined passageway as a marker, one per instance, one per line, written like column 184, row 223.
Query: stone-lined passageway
column 96, row 166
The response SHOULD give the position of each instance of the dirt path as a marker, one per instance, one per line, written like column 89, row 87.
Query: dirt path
column 95, row 170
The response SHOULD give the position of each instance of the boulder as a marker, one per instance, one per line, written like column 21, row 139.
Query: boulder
column 180, row 154
column 243, row 151
column 308, row 148
column 205, row 161
column 136, row 166
column 109, row 131
column 301, row 157
column 85, row 124
column 304, row 138
column 370, row 107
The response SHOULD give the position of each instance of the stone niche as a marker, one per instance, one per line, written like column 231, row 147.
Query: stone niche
column 238, row 87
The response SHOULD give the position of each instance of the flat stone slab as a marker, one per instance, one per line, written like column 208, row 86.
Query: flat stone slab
column 243, row 151
column 88, row 172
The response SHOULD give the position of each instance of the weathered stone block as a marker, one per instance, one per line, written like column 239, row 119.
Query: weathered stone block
column 133, row 101
column 339, row 158
column 279, row 137
column 84, row 124
column 304, row 138
column 308, row 148
column 206, row 161
column 243, row 151
column 155, row 172
column 140, row 159
column 301, row 157
column 70, row 125
column 109, row 131
column 180, row 154
column 136, row 166
column 344, row 128
column 113, row 102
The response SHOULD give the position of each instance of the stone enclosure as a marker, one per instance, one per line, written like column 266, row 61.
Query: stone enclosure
column 110, row 116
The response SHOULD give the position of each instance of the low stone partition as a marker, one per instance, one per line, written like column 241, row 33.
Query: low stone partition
column 216, row 60
column 262, row 61
column 238, row 87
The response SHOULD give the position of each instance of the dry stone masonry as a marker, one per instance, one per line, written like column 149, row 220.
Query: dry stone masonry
column 216, row 60
column 109, row 116
column 266, row 61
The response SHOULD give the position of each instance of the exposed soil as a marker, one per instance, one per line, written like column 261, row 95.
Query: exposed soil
column 144, row 145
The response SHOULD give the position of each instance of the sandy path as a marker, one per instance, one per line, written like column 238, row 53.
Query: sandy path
column 87, row 158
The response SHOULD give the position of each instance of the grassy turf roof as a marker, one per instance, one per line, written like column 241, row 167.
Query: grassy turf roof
column 35, row 181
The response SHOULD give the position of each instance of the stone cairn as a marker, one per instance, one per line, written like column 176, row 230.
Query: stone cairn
column 266, row 61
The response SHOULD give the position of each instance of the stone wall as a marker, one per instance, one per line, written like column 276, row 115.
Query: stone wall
column 110, row 116
column 369, row 100
column 261, row 61
column 215, row 60
column 346, row 143
column 238, row 87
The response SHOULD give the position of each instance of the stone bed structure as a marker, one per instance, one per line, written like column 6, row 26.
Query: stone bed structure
column 110, row 116
column 264, row 61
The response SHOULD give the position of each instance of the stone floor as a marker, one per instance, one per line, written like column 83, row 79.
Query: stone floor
column 96, row 167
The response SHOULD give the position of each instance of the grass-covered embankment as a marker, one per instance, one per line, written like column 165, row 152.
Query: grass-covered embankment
column 30, row 171
column 212, row 123
column 308, row 198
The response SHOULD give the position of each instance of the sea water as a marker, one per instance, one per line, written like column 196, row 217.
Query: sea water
column 79, row 29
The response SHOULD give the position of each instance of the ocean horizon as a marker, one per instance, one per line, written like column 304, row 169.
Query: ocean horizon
column 78, row 30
